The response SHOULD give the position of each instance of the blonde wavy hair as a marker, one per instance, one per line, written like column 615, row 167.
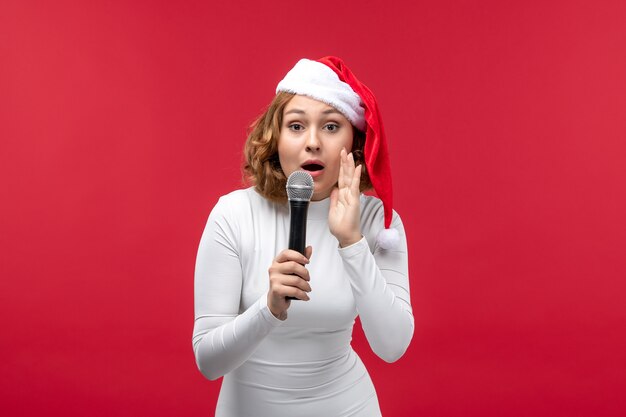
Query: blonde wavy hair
column 261, row 166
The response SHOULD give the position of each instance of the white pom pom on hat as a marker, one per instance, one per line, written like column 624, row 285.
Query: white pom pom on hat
column 388, row 238
column 329, row 80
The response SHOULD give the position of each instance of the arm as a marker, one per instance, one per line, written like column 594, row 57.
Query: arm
column 223, row 339
column 380, row 286
column 379, row 281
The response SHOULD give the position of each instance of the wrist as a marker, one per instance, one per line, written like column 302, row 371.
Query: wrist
column 280, row 315
column 350, row 241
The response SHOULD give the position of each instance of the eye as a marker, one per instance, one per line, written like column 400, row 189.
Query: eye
column 332, row 127
column 296, row 127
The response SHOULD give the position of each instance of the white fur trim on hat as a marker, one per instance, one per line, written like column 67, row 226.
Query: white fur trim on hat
column 316, row 80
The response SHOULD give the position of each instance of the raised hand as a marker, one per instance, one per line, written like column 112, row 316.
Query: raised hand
column 344, row 216
column 288, row 278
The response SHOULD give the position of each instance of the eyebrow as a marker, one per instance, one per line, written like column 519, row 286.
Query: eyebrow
column 327, row 111
column 294, row 111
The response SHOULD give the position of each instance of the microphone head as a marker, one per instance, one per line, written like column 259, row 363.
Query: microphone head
column 300, row 186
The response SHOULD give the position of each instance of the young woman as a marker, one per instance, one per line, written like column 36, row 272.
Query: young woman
column 293, row 357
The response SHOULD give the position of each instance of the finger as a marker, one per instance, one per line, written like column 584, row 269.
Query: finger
column 348, row 170
column 308, row 252
column 351, row 161
column 287, row 293
column 286, row 285
column 291, row 255
column 291, row 268
column 294, row 281
column 356, row 181
column 340, row 180
column 296, row 293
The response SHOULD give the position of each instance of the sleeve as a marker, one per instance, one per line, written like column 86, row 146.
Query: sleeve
column 223, row 339
column 380, row 285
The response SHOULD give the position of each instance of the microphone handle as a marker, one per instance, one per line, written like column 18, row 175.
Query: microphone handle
column 297, row 227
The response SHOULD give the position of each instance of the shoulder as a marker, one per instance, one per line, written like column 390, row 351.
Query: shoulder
column 372, row 211
column 235, row 198
column 230, row 216
column 241, row 203
column 371, row 206
column 373, row 219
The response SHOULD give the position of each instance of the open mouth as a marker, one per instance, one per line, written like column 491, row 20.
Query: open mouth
column 312, row 167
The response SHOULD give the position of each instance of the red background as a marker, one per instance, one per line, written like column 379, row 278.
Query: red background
column 122, row 122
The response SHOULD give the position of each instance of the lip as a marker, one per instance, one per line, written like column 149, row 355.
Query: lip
column 317, row 173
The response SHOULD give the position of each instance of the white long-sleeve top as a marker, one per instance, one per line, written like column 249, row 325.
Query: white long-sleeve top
column 303, row 365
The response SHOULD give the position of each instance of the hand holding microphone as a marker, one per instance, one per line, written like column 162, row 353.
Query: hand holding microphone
column 289, row 279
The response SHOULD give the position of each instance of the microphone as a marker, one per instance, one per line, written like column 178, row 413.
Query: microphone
column 299, row 193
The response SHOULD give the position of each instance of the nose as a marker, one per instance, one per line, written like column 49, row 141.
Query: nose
column 312, row 141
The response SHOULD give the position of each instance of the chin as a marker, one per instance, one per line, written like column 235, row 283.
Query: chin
column 320, row 194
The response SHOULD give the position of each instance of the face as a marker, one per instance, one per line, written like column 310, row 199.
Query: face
column 312, row 136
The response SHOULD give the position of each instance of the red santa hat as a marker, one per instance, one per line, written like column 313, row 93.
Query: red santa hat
column 329, row 80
